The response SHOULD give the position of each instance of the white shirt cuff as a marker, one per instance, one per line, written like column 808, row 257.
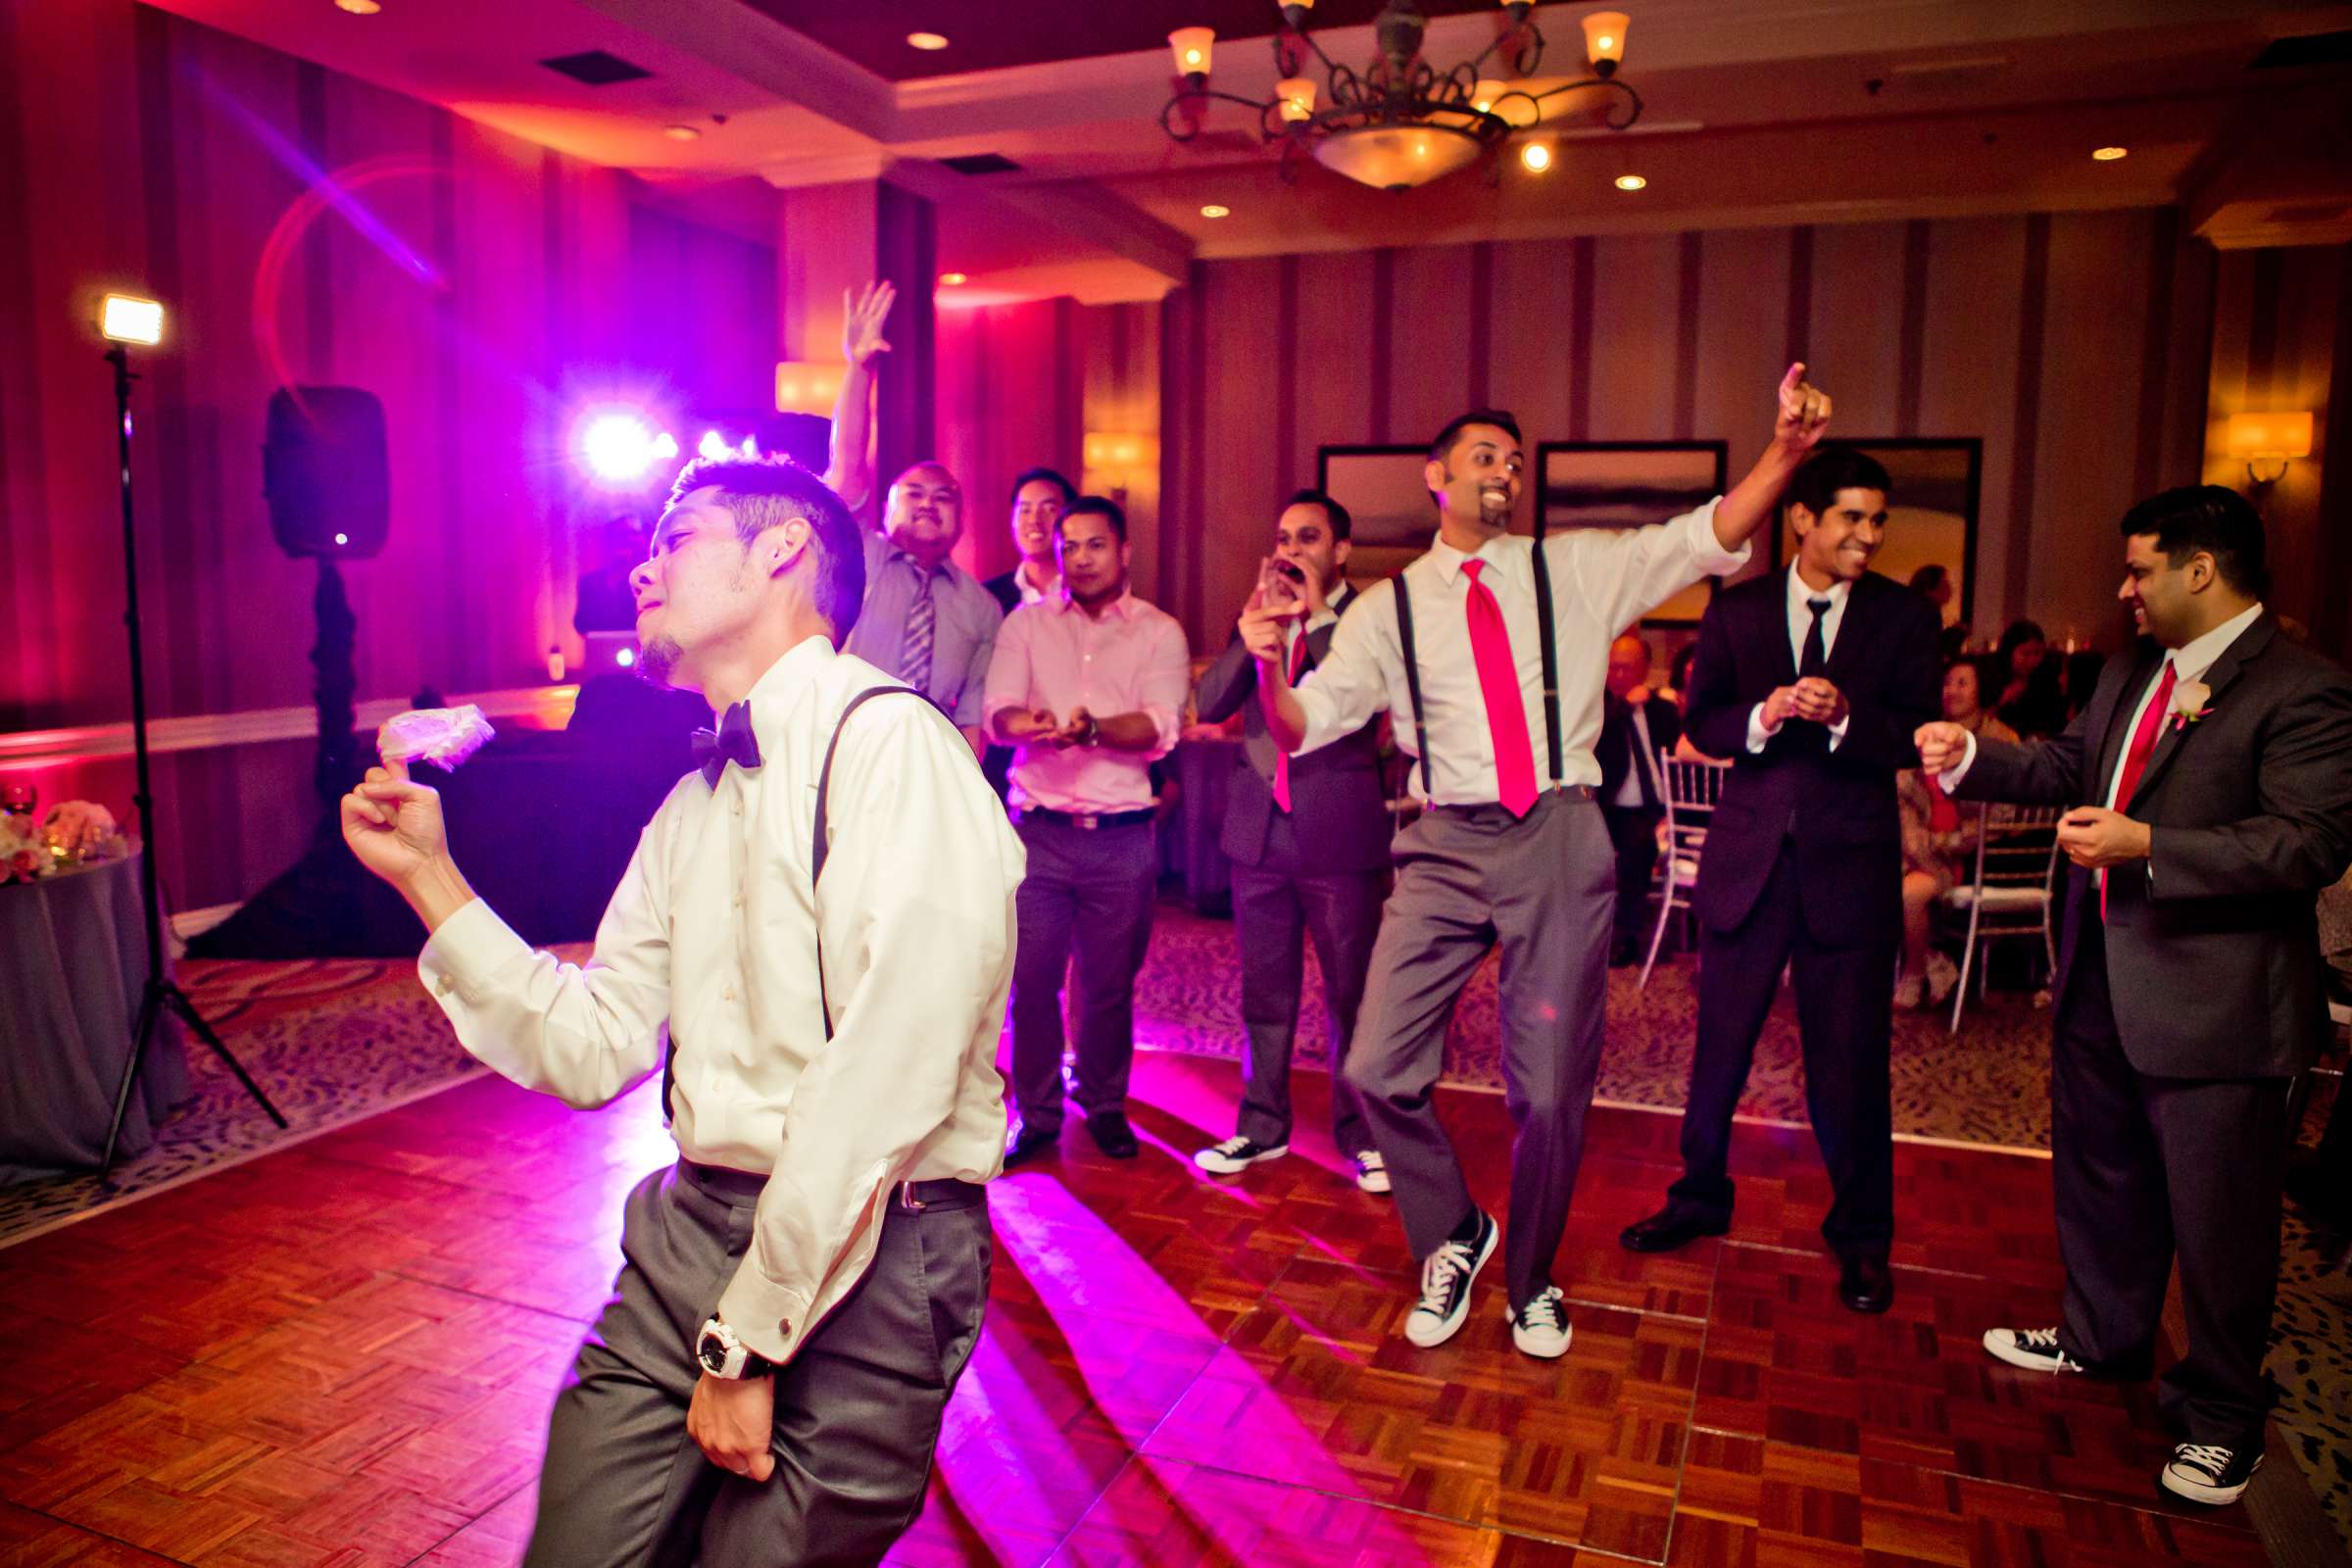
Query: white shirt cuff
column 1950, row 777
column 1707, row 549
column 1838, row 729
column 1757, row 735
column 470, row 946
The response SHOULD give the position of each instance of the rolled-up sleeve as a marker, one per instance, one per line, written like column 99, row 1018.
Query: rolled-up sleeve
column 1009, row 683
column 583, row 1034
column 1341, row 695
column 1626, row 573
column 917, row 911
column 1163, row 683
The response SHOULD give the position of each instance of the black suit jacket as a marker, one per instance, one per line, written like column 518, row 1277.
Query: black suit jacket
column 1006, row 586
column 1838, row 806
column 2213, row 951
column 1338, row 804
column 1618, row 737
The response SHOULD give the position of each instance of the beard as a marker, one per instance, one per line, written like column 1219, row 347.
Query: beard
column 657, row 661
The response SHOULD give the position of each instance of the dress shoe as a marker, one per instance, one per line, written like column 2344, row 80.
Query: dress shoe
column 1864, row 1284
column 1669, row 1228
column 1112, row 1134
column 1027, row 1143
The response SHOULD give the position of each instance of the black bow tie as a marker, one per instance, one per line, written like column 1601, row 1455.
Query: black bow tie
column 733, row 742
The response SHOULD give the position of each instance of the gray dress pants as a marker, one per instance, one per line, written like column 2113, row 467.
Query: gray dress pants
column 858, row 1408
column 1276, row 904
column 1087, row 892
column 1468, row 880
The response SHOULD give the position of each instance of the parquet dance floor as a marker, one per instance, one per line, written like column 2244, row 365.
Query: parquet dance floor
column 342, row 1354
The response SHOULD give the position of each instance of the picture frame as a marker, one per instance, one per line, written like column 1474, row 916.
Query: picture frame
column 1385, row 491
column 1631, row 484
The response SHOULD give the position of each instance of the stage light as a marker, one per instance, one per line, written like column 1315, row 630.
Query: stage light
column 713, row 445
column 127, row 319
column 626, row 659
column 665, row 446
column 618, row 447
column 342, row 538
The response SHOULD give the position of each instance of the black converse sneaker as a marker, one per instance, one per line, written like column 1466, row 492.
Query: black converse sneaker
column 1541, row 1327
column 2034, row 1350
column 1237, row 1153
column 2207, row 1472
column 1446, row 1276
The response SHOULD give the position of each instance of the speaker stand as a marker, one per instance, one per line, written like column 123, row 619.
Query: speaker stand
column 336, row 769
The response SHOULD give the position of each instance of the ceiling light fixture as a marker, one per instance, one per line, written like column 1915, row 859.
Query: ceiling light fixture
column 927, row 41
column 1212, row 209
column 1536, row 156
column 2108, row 155
column 359, row 8
column 681, row 133
column 953, row 279
column 1400, row 122
column 1631, row 182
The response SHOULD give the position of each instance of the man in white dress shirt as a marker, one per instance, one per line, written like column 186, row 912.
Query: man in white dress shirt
column 1494, row 671
column 802, row 1290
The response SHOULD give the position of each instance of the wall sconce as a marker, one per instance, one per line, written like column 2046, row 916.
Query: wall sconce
column 805, row 387
column 2267, row 442
column 1115, row 457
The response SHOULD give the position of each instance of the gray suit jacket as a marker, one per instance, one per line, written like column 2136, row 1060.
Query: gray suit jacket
column 2213, row 951
column 1338, row 806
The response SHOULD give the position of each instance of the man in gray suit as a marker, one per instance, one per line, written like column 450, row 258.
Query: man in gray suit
column 1309, row 838
column 2210, row 781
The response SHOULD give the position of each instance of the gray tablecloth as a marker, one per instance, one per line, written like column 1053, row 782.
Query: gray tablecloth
column 73, row 962
column 1188, row 847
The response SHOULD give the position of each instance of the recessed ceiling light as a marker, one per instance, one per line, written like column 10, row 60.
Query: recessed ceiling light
column 1212, row 209
column 951, row 279
column 1631, row 182
column 927, row 41
column 681, row 132
column 1536, row 156
column 2108, row 155
column 359, row 8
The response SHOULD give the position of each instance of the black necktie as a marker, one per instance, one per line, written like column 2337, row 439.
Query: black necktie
column 1817, row 656
column 733, row 742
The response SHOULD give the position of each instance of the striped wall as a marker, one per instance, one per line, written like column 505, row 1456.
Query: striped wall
column 2075, row 345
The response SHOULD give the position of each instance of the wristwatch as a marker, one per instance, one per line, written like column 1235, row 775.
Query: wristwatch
column 723, row 1355
column 1093, row 729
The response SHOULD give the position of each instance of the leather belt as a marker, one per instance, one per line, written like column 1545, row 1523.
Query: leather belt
column 942, row 1193
column 1090, row 820
column 1574, row 792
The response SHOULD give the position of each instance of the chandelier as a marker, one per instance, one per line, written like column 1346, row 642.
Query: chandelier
column 1401, row 122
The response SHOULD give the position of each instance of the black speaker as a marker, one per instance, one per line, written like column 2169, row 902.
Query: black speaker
column 327, row 472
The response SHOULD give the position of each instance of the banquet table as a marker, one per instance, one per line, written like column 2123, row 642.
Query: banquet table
column 72, row 962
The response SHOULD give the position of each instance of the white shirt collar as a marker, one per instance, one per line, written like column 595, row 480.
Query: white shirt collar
column 1799, row 591
column 2192, row 660
column 1496, row 551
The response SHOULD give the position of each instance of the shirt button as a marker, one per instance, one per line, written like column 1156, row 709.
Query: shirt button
column 730, row 993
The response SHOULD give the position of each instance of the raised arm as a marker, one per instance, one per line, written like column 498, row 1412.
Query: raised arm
column 1803, row 417
column 848, row 470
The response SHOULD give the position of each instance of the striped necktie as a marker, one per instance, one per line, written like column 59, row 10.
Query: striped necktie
column 923, row 632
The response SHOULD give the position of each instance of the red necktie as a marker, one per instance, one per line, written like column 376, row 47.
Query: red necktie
column 2135, row 760
column 1282, row 759
column 1499, row 684
column 1942, row 815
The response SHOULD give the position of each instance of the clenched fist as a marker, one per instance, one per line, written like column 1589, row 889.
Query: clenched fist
column 1942, row 746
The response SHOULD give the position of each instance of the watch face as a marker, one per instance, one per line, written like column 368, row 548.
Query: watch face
column 713, row 1355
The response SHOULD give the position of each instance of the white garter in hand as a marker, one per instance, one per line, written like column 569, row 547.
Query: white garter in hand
column 442, row 736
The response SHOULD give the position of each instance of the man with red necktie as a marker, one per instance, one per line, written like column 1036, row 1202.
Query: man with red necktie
column 2189, row 989
column 1491, row 652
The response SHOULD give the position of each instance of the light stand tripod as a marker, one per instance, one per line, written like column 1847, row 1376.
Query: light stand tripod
column 159, row 993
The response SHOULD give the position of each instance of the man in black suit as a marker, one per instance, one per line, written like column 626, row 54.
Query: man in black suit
column 1812, row 681
column 1040, row 496
column 2211, row 785
column 1309, row 838
column 1634, row 726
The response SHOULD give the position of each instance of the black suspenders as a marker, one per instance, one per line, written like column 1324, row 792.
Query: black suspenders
column 818, row 850
column 1551, row 670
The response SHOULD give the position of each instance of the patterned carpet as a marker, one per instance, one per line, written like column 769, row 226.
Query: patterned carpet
column 334, row 1040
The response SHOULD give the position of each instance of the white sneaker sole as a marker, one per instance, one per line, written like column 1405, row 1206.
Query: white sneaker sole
column 2195, row 1490
column 1544, row 1349
column 1373, row 1180
column 1217, row 1165
column 1440, row 1330
column 2001, row 1346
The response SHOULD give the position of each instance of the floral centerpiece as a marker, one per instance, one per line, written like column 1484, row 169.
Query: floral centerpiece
column 74, row 835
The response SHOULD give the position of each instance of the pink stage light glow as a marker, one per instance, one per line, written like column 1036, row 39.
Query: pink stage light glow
column 620, row 447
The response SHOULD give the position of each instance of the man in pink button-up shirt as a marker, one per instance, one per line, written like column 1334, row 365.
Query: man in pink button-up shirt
column 1087, row 685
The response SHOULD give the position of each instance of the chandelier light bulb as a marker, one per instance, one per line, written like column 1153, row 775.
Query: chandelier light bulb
column 1297, row 95
column 1193, row 48
column 1604, row 40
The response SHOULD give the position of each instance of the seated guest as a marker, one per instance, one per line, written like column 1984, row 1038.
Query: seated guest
column 1634, row 726
column 1939, row 841
column 1088, row 686
column 1040, row 496
column 1935, row 585
column 2031, row 699
column 2081, row 679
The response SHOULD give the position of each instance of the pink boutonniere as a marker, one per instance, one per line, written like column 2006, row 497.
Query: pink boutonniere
column 2189, row 703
